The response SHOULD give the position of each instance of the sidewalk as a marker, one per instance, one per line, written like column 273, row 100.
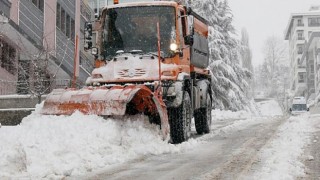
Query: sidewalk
column 315, row 110
column 312, row 153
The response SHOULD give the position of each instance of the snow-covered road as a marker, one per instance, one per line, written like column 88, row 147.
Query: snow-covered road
column 224, row 154
column 240, row 146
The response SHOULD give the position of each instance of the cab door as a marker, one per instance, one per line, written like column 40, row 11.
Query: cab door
column 185, row 49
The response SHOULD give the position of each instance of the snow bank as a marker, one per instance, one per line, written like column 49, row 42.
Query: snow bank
column 270, row 108
column 280, row 159
column 59, row 146
column 219, row 115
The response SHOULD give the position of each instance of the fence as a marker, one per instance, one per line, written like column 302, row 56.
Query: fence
column 16, row 87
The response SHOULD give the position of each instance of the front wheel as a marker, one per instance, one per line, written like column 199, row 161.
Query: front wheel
column 203, row 117
column 180, row 120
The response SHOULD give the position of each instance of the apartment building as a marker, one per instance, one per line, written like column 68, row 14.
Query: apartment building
column 299, row 30
column 43, row 31
column 312, row 56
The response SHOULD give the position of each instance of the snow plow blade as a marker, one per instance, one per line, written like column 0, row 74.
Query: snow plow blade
column 103, row 101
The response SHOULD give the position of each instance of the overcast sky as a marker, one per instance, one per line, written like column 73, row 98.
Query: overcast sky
column 264, row 18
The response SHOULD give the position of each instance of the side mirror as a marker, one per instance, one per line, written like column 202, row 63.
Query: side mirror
column 308, row 109
column 188, row 40
column 290, row 109
column 189, row 10
column 88, row 36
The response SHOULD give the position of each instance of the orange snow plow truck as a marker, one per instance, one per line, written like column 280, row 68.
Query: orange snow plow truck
column 150, row 58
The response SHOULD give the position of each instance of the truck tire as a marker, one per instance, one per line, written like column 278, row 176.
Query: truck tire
column 180, row 120
column 203, row 117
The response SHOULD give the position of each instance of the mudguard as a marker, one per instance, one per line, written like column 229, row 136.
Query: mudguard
column 204, row 88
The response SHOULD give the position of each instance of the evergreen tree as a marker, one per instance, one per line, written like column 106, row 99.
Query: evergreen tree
column 229, row 84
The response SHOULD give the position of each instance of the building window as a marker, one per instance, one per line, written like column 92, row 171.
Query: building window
column 58, row 16
column 72, row 31
column 300, row 48
column 65, row 23
column 63, row 20
column 39, row 4
column 8, row 57
column 301, row 77
column 312, row 68
column 314, row 22
column 300, row 35
column 309, row 34
column 68, row 26
column 312, row 77
column 300, row 22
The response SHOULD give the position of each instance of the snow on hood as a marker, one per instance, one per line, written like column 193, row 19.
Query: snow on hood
column 58, row 146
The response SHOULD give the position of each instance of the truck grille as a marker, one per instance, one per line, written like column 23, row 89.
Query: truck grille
column 131, row 72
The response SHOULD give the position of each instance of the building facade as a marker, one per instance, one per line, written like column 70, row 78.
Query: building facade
column 312, row 56
column 5, row 7
column 46, row 33
column 298, row 32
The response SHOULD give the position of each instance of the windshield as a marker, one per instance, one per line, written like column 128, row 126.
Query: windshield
column 299, row 107
column 135, row 28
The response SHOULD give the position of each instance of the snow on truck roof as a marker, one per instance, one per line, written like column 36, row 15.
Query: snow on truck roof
column 154, row 3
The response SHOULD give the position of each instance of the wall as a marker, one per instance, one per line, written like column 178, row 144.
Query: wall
column 31, row 20
column 18, row 101
column 5, row 7
column 13, row 117
column 13, row 108
column 50, row 25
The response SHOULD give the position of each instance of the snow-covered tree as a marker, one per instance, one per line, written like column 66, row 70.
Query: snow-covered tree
column 246, row 53
column 229, row 78
column 35, row 76
column 274, row 64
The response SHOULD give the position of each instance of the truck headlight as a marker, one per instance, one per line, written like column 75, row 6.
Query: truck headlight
column 173, row 47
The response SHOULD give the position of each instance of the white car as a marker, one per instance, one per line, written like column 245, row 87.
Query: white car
column 299, row 106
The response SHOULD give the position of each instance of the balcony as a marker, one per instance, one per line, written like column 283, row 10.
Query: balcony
column 300, row 24
column 314, row 24
column 301, row 38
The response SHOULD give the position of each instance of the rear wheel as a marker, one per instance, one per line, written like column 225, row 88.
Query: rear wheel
column 203, row 117
column 180, row 120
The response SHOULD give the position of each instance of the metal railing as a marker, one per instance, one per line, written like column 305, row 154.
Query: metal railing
column 27, row 87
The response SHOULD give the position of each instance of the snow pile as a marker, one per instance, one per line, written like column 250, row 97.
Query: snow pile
column 280, row 159
column 219, row 115
column 270, row 108
column 60, row 146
